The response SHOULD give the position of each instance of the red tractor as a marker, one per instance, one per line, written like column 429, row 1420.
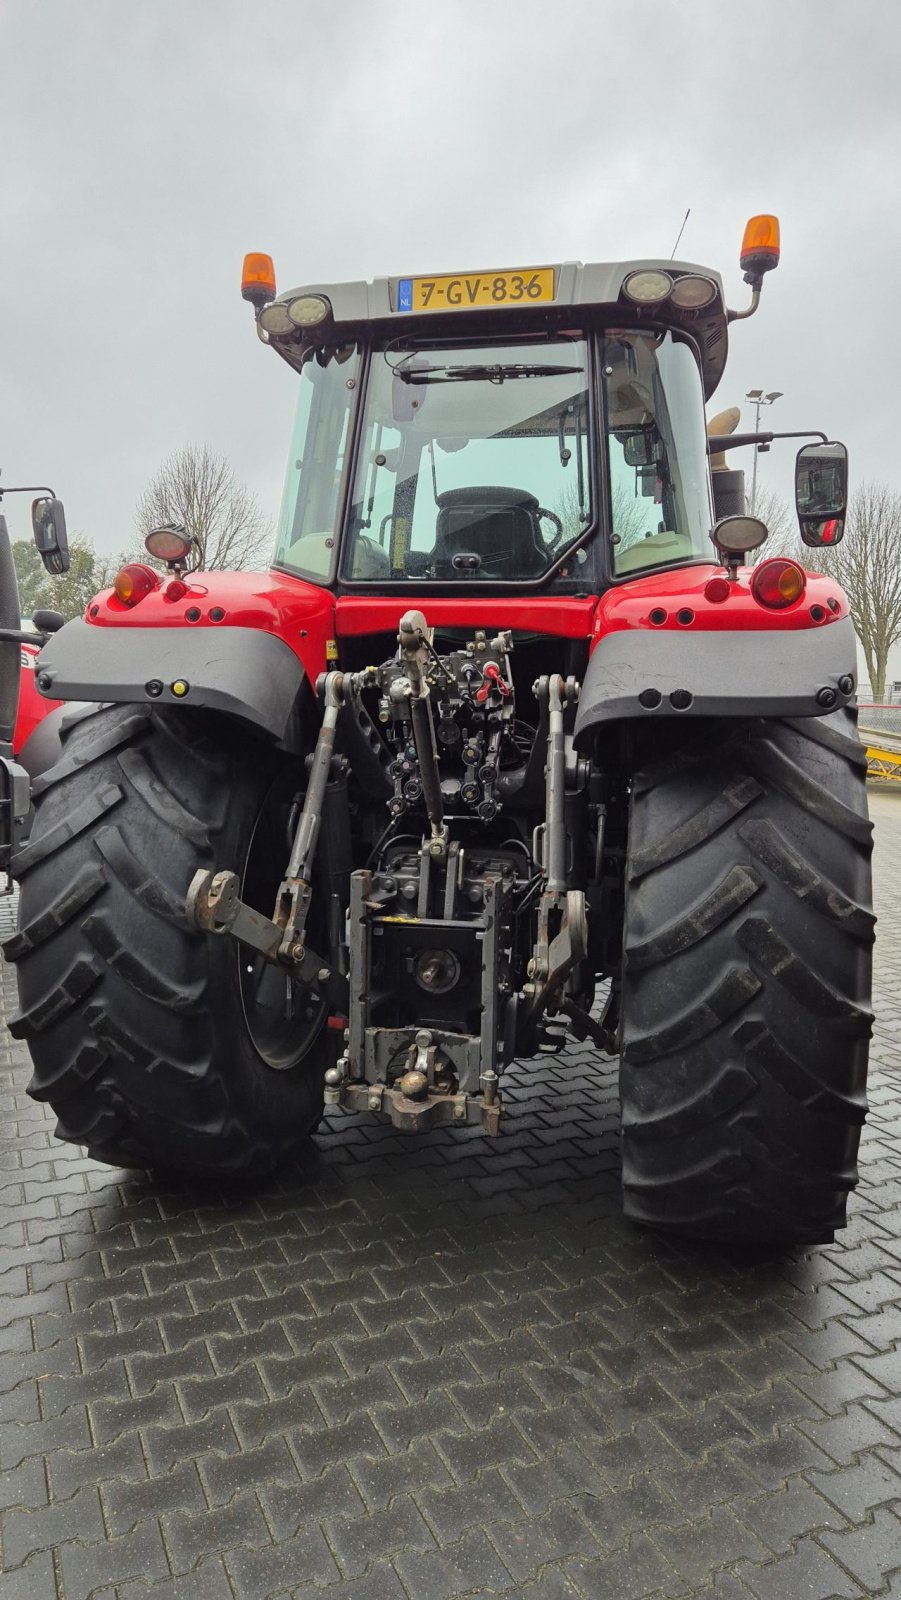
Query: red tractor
column 22, row 708
column 502, row 750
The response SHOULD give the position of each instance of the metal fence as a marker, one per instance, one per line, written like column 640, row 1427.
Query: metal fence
column 882, row 719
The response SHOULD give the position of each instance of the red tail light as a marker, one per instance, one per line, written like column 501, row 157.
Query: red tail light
column 132, row 582
column 717, row 589
column 778, row 583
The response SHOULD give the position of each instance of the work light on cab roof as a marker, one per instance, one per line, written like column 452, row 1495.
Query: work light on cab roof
column 688, row 296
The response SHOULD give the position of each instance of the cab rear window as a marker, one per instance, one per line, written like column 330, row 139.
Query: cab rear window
column 473, row 463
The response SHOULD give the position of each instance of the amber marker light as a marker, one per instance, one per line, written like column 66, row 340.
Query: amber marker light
column 258, row 279
column 133, row 581
column 760, row 246
column 778, row 583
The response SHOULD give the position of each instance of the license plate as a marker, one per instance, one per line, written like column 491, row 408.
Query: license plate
column 476, row 290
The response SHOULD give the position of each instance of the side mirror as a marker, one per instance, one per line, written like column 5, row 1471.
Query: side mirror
column 638, row 449
column 821, row 492
column 48, row 520
column 647, row 478
column 48, row 621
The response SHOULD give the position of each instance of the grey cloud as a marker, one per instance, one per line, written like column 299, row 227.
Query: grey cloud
column 145, row 148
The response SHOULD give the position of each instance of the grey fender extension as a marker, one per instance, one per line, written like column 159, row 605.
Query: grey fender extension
column 641, row 674
column 252, row 676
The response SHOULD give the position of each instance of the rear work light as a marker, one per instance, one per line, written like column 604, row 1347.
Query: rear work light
column 132, row 582
column 274, row 318
column 308, row 309
column 168, row 543
column 648, row 288
column 778, row 583
column 692, row 293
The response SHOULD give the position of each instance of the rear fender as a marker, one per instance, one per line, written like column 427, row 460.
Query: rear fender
column 638, row 675
column 249, row 675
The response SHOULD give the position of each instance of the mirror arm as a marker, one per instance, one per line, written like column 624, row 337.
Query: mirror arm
column 26, row 488
column 735, row 441
column 20, row 636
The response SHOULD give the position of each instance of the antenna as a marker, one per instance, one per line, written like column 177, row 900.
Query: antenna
column 680, row 233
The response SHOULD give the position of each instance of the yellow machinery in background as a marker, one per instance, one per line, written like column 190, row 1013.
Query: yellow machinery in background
column 884, row 764
column 883, row 755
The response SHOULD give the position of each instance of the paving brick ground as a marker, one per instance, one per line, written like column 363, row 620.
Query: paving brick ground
column 445, row 1367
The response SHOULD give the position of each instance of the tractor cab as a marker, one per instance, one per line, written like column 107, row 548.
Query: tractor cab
column 539, row 430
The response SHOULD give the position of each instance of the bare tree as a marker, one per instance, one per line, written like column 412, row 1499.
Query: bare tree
column 867, row 564
column 198, row 491
column 32, row 580
column 784, row 539
column 630, row 516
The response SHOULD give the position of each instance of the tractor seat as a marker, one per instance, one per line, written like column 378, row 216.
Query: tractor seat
column 500, row 526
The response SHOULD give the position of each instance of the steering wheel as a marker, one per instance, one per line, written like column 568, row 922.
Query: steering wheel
column 558, row 524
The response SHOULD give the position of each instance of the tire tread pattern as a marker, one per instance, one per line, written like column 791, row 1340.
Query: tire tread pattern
column 746, row 1015
column 134, row 1021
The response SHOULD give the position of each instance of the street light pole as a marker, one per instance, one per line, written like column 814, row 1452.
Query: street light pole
column 758, row 399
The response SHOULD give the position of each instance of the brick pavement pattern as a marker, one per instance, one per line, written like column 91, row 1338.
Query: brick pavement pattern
column 444, row 1366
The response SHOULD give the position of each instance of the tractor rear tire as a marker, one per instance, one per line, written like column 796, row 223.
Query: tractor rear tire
column 746, row 981
column 156, row 1045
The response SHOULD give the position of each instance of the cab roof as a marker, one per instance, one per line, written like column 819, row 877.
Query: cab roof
column 379, row 307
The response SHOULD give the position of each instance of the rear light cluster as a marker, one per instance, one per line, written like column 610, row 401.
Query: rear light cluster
column 778, row 583
column 133, row 581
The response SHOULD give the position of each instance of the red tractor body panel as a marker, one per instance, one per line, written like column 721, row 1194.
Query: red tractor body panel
column 313, row 621
column 33, row 707
column 558, row 618
column 662, row 600
column 298, row 613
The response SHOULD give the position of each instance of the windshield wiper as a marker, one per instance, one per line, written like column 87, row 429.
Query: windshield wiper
column 481, row 374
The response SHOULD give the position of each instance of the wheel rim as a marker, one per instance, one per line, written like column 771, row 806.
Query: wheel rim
column 282, row 1018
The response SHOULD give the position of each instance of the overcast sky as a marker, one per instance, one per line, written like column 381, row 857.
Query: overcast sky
column 145, row 147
